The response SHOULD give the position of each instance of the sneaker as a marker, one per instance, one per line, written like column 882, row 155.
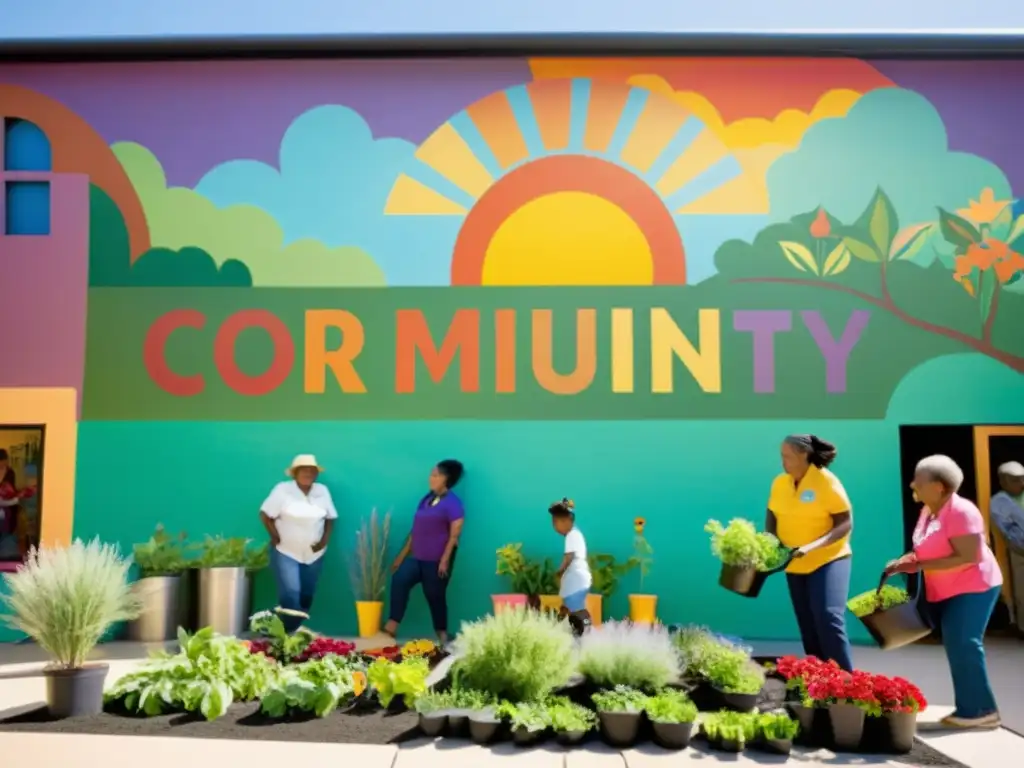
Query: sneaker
column 986, row 722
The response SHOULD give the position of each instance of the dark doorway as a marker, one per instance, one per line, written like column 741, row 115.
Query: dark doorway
column 1001, row 449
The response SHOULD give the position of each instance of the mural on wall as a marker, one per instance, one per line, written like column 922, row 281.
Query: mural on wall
column 582, row 239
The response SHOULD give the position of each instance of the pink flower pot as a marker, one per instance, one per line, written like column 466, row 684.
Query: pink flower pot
column 504, row 602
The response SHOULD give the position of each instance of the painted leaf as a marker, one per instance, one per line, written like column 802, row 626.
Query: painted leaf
column 958, row 230
column 799, row 256
column 1017, row 230
column 883, row 223
column 837, row 261
column 910, row 241
column 987, row 293
column 861, row 250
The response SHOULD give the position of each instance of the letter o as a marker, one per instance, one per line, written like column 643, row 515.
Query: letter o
column 224, row 352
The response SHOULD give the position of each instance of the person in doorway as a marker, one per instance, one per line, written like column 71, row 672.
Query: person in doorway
column 809, row 512
column 428, row 555
column 574, row 572
column 962, row 583
column 10, row 498
column 299, row 515
column 1007, row 507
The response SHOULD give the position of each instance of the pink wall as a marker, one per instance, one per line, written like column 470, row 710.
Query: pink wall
column 43, row 285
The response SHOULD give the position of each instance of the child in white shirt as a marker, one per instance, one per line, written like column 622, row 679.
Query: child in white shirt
column 574, row 572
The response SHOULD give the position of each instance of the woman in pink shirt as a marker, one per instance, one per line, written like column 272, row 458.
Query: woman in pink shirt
column 962, row 584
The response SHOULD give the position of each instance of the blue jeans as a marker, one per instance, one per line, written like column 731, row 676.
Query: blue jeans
column 819, row 602
column 577, row 601
column 296, row 585
column 412, row 572
column 962, row 621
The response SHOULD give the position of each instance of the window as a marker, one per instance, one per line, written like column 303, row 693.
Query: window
column 27, row 163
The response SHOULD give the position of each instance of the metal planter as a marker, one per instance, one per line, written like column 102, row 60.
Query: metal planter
column 224, row 599
column 163, row 609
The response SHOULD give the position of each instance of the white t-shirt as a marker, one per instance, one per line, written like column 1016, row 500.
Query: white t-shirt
column 299, row 518
column 577, row 576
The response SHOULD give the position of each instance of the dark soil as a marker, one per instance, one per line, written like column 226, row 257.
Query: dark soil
column 242, row 721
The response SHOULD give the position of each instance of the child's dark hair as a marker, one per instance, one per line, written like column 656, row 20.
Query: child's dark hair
column 563, row 508
column 452, row 470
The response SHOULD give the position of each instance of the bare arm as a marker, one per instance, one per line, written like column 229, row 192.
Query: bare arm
column 967, row 550
column 402, row 553
column 453, row 539
column 842, row 524
column 566, row 562
column 328, row 529
column 271, row 526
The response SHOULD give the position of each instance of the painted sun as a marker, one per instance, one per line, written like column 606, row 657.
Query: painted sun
column 575, row 182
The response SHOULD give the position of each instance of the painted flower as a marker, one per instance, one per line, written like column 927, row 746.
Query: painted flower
column 989, row 254
column 821, row 227
column 986, row 208
column 638, row 525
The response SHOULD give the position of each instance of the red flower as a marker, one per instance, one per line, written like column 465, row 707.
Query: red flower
column 326, row 646
column 896, row 694
column 821, row 226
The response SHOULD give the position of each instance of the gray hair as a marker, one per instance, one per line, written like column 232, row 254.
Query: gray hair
column 943, row 469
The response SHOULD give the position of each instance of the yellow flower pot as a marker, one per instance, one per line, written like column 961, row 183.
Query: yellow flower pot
column 550, row 603
column 643, row 609
column 368, row 614
column 595, row 606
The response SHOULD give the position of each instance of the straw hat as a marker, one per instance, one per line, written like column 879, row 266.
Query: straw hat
column 303, row 460
column 1012, row 468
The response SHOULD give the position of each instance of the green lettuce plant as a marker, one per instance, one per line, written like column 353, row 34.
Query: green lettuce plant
column 777, row 726
column 530, row 716
column 867, row 603
column 567, row 717
column 739, row 544
column 733, row 672
column 739, row 727
column 620, row 699
column 317, row 686
column 407, row 678
column 284, row 648
column 670, row 706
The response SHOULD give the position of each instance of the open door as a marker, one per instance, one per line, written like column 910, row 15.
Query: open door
column 995, row 445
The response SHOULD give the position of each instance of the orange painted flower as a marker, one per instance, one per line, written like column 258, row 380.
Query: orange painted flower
column 986, row 208
column 638, row 524
column 990, row 254
column 821, row 226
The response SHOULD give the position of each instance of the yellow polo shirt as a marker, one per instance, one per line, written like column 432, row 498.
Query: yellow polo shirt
column 804, row 513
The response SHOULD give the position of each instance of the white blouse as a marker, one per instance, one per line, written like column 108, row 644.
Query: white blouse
column 299, row 518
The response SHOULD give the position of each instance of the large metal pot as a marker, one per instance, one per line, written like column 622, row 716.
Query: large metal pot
column 225, row 600
column 163, row 609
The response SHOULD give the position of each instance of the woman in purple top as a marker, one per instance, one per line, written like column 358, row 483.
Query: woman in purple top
column 428, row 555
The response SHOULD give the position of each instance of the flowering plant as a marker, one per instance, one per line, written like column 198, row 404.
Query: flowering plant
column 895, row 694
column 835, row 686
column 799, row 672
column 643, row 552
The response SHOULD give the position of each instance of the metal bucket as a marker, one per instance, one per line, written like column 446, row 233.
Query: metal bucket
column 225, row 600
column 162, row 609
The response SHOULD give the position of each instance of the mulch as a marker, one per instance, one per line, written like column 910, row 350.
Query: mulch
column 242, row 722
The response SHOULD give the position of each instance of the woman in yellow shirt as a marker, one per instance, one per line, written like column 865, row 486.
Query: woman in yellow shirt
column 810, row 512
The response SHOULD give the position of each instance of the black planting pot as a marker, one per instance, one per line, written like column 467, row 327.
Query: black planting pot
column 705, row 697
column 902, row 729
column 672, row 735
column 806, row 717
column 774, row 746
column 524, row 737
column 743, row 581
column 75, row 692
column 620, row 729
column 847, row 725
column 579, row 691
column 570, row 738
column 433, row 724
column 728, row 745
column 458, row 723
column 484, row 728
column 737, row 702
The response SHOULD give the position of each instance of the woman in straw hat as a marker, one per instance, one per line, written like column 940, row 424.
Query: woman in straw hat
column 299, row 515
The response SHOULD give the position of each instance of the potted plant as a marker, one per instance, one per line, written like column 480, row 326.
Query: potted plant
column 161, row 562
column 849, row 698
column 798, row 673
column 606, row 573
column 529, row 721
column 398, row 684
column 463, row 704
column 368, row 571
column 747, row 556
column 900, row 701
column 432, row 708
column 619, row 711
column 736, row 679
column 637, row 656
column 775, row 732
column 643, row 608
column 224, row 581
column 890, row 616
column 729, row 731
column 672, row 716
column 521, row 574
column 65, row 599
column 570, row 722
column 484, row 723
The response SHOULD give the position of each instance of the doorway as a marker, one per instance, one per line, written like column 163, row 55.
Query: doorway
column 21, row 491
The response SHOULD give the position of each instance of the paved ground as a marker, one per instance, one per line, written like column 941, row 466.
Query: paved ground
column 21, row 687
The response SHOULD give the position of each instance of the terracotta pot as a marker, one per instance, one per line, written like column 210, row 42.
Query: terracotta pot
column 504, row 602
column 643, row 609
column 902, row 729
column 847, row 725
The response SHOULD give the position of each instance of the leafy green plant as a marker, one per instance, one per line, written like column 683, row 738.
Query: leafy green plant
column 643, row 552
column 740, row 545
column 66, row 598
column 407, row 678
column 206, row 676
column 606, row 572
column 670, row 706
column 433, row 701
column 635, row 655
column 620, row 699
column 523, row 574
column 567, row 717
column 531, row 716
column 283, row 647
column 518, row 655
column 221, row 552
column 867, row 603
column 470, row 700
column 162, row 555
column 368, row 568
column 777, row 726
column 732, row 671
column 694, row 644
column 740, row 727
column 548, row 578
column 317, row 686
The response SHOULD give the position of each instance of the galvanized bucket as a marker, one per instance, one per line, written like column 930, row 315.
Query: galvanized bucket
column 225, row 600
column 163, row 609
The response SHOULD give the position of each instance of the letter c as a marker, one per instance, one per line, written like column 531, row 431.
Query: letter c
column 154, row 348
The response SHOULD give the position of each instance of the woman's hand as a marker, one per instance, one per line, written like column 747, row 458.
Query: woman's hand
column 443, row 566
column 397, row 563
column 906, row 564
column 319, row 546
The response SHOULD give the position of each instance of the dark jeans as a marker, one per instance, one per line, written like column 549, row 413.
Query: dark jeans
column 296, row 585
column 412, row 572
column 963, row 620
column 819, row 601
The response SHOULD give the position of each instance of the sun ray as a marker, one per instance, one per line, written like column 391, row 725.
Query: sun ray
column 706, row 150
column 526, row 119
column 627, row 121
column 658, row 124
column 676, row 148
column 607, row 100
column 552, row 108
column 410, row 197
column 446, row 152
column 704, row 183
column 742, row 196
column 494, row 117
column 578, row 111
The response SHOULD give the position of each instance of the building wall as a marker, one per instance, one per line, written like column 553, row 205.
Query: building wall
column 619, row 280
